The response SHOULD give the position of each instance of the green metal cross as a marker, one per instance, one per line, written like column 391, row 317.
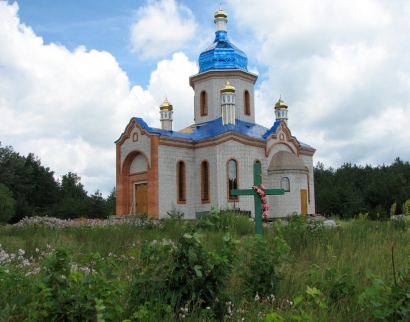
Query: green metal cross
column 258, row 203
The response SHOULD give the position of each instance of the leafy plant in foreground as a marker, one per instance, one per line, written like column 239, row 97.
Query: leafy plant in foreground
column 86, row 294
column 338, row 287
column 388, row 303
column 182, row 274
column 259, row 273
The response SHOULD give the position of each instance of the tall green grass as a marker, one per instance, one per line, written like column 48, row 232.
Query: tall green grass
column 335, row 260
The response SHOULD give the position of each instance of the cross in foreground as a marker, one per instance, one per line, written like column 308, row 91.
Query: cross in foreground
column 251, row 192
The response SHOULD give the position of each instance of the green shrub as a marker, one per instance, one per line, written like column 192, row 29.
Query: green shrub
column 181, row 274
column 388, row 303
column 338, row 287
column 15, row 294
column 300, row 231
column 236, row 223
column 91, row 293
column 259, row 262
column 211, row 220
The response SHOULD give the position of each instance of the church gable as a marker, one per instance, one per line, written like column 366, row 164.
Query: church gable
column 281, row 139
column 134, row 140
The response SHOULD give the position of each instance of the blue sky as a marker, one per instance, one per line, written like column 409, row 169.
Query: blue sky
column 73, row 73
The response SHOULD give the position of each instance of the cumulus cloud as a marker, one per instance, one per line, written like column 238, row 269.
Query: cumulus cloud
column 68, row 107
column 162, row 27
column 342, row 67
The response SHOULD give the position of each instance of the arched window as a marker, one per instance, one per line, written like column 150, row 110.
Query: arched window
column 135, row 137
column 285, row 184
column 203, row 103
column 247, row 103
column 232, row 179
column 181, row 182
column 205, row 182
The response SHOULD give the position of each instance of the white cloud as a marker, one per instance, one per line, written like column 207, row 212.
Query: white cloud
column 343, row 68
column 68, row 108
column 171, row 79
column 162, row 27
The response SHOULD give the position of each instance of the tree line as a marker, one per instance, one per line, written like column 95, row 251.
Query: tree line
column 27, row 189
column 380, row 191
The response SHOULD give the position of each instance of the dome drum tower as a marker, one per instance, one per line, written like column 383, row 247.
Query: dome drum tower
column 219, row 62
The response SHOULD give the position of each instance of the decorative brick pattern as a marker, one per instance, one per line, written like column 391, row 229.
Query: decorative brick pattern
column 153, row 158
column 212, row 86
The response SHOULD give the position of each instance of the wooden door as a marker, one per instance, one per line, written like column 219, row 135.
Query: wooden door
column 303, row 201
column 141, row 204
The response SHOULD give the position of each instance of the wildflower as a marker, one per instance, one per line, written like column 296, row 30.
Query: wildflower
column 261, row 315
column 257, row 298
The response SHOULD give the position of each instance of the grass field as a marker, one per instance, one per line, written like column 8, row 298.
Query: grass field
column 138, row 269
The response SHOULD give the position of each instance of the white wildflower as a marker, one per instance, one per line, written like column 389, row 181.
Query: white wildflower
column 257, row 298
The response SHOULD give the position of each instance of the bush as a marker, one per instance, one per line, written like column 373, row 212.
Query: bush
column 301, row 231
column 259, row 276
column 90, row 293
column 388, row 303
column 181, row 275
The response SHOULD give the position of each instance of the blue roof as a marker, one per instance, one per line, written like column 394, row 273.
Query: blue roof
column 212, row 129
column 222, row 54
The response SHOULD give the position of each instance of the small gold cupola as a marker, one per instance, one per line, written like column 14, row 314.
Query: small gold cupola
column 166, row 115
column 220, row 13
column 220, row 19
column 227, row 88
column 166, row 106
column 228, row 103
column 281, row 110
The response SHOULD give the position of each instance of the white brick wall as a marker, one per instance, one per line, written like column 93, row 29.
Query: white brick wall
column 213, row 88
column 218, row 156
column 139, row 164
column 143, row 144
column 168, row 158
column 284, row 205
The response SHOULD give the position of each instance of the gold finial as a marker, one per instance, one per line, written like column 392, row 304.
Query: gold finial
column 166, row 106
column 227, row 88
column 220, row 13
column 281, row 105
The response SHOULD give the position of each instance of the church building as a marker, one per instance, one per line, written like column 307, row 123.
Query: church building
column 158, row 170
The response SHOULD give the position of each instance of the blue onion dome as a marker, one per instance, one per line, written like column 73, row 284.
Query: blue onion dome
column 222, row 54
